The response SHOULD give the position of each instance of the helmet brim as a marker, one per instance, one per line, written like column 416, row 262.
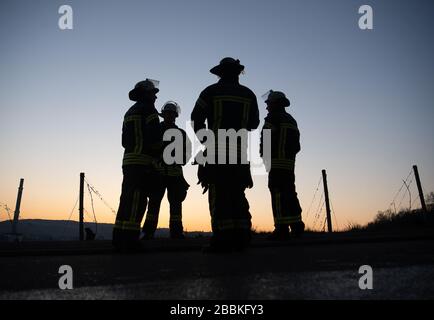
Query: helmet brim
column 284, row 101
column 222, row 69
column 136, row 93
column 161, row 114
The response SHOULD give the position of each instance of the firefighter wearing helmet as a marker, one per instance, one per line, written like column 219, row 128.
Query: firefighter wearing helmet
column 143, row 143
column 280, row 164
column 226, row 105
column 172, row 175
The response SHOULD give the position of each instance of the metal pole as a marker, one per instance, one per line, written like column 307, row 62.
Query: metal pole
column 81, row 205
column 419, row 187
column 327, row 202
column 17, row 207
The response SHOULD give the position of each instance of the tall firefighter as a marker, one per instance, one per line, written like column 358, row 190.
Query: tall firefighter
column 227, row 105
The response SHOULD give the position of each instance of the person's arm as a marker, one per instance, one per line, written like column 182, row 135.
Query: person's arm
column 266, row 142
column 153, row 134
column 199, row 113
column 187, row 148
column 130, row 138
column 261, row 142
column 254, row 114
column 125, row 135
column 293, row 138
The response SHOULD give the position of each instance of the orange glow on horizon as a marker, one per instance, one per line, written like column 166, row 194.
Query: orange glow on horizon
column 196, row 215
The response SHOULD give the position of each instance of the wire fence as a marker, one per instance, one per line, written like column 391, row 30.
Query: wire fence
column 405, row 199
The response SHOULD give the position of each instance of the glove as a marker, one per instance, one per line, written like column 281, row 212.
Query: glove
column 250, row 185
column 204, row 186
column 248, row 178
column 202, row 176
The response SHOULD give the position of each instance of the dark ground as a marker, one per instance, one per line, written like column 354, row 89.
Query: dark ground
column 319, row 266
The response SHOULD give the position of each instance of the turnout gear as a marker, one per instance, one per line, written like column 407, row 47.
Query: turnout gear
column 141, row 188
column 227, row 105
column 173, row 181
column 141, row 136
column 142, row 140
column 285, row 144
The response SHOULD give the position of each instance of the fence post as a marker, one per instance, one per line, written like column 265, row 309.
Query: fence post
column 419, row 187
column 327, row 202
column 81, row 205
column 17, row 207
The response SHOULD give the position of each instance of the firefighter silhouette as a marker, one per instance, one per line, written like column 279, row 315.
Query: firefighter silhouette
column 142, row 140
column 226, row 105
column 285, row 144
column 172, row 177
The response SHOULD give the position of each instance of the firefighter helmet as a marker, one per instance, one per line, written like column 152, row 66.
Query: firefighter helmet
column 272, row 96
column 171, row 106
column 227, row 64
column 143, row 86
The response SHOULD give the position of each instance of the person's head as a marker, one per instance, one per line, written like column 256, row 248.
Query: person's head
column 144, row 91
column 276, row 101
column 170, row 111
column 228, row 68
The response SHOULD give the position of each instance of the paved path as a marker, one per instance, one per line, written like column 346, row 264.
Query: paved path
column 317, row 267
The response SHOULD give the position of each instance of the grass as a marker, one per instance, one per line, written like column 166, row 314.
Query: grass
column 403, row 219
column 384, row 221
column 391, row 221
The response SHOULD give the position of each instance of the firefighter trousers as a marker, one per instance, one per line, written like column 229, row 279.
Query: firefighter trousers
column 140, row 185
column 176, row 193
column 230, row 216
column 284, row 200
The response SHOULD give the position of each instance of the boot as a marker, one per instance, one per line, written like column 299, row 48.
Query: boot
column 176, row 231
column 241, row 240
column 280, row 233
column 148, row 231
column 128, row 247
column 219, row 243
column 147, row 236
column 297, row 229
column 177, row 235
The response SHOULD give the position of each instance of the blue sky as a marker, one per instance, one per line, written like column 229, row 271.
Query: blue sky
column 363, row 99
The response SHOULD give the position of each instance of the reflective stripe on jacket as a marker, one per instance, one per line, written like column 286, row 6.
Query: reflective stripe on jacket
column 141, row 135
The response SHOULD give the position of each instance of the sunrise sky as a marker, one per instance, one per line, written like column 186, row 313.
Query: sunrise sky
column 363, row 99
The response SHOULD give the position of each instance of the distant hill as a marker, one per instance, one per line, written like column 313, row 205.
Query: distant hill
column 42, row 230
